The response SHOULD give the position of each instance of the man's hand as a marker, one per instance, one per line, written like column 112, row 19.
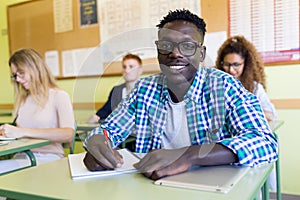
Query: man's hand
column 99, row 156
column 160, row 163
column 163, row 162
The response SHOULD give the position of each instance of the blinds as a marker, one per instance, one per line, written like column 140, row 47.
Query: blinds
column 271, row 25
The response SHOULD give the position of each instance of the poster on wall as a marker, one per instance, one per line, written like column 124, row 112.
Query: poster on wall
column 63, row 16
column 88, row 12
column 122, row 21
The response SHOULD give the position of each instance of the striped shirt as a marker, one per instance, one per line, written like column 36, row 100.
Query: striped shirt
column 218, row 108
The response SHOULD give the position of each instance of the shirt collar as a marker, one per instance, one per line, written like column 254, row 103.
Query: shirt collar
column 195, row 89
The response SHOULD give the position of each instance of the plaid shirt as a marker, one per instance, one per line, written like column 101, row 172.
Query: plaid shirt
column 219, row 110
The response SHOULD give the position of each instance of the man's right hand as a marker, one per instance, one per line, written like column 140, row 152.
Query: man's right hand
column 99, row 156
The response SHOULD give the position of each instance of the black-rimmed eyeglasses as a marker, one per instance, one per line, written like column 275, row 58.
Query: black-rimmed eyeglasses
column 187, row 48
column 235, row 65
column 15, row 75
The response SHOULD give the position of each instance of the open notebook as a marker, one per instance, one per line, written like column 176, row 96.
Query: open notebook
column 215, row 179
column 79, row 171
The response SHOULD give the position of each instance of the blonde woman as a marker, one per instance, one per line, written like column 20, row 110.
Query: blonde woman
column 43, row 110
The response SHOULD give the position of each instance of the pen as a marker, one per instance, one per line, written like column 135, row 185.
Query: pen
column 107, row 140
column 15, row 120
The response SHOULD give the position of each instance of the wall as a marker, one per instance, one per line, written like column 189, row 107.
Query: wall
column 282, row 83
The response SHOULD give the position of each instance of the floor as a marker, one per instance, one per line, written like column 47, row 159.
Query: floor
column 285, row 196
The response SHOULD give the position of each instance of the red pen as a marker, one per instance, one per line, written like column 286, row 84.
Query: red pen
column 108, row 140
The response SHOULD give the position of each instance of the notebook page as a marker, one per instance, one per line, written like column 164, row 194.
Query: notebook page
column 79, row 170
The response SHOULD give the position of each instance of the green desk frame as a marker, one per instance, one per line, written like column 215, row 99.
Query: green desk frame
column 22, row 145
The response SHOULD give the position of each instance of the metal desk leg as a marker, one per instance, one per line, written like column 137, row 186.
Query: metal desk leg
column 278, row 190
column 265, row 190
column 31, row 157
column 32, row 161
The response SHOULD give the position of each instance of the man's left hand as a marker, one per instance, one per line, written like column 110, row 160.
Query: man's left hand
column 164, row 162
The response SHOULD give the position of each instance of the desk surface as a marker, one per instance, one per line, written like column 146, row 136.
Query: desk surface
column 53, row 181
column 86, row 126
column 6, row 119
column 20, row 145
column 275, row 125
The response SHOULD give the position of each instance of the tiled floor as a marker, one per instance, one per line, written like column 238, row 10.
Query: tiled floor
column 285, row 196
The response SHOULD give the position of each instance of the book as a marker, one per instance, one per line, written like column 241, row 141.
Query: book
column 79, row 170
column 220, row 179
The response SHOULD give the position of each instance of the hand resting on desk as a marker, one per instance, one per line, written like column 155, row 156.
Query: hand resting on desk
column 163, row 162
column 10, row 131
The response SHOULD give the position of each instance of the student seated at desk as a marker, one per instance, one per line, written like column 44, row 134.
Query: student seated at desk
column 238, row 57
column 132, row 70
column 187, row 115
column 43, row 110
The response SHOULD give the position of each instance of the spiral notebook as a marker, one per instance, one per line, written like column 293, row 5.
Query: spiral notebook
column 220, row 179
column 79, row 171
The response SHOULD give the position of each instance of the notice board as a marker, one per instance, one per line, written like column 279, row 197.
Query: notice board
column 31, row 25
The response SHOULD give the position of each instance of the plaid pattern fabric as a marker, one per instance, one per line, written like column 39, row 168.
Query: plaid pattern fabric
column 219, row 110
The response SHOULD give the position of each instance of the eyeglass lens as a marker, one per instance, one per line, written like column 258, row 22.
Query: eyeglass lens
column 234, row 65
column 184, row 48
column 15, row 75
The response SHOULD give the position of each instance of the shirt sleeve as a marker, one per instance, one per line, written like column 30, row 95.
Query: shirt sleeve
column 64, row 110
column 252, row 139
column 265, row 102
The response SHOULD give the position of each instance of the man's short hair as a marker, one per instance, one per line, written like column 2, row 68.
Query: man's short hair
column 132, row 56
column 185, row 15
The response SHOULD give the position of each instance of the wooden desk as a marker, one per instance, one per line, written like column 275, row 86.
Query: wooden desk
column 6, row 119
column 22, row 145
column 275, row 125
column 86, row 126
column 83, row 130
column 3, row 114
column 53, row 181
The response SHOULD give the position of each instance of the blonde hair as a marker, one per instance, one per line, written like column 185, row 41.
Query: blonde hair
column 29, row 61
column 253, row 65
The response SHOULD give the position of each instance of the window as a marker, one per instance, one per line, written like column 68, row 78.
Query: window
column 271, row 25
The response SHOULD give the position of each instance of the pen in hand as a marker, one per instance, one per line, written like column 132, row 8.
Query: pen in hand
column 108, row 141
column 15, row 120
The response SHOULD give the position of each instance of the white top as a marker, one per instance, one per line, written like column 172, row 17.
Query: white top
column 124, row 92
column 57, row 113
column 177, row 132
column 265, row 102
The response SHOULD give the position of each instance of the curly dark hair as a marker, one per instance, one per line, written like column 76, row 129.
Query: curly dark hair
column 186, row 15
column 253, row 65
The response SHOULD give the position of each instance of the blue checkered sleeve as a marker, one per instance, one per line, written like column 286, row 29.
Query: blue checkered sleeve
column 253, row 141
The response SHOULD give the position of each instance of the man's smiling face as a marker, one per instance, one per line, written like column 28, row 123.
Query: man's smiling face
column 177, row 67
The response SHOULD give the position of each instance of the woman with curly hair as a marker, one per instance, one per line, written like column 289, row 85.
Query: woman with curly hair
column 238, row 57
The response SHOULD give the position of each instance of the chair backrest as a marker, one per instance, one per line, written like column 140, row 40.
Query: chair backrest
column 71, row 145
